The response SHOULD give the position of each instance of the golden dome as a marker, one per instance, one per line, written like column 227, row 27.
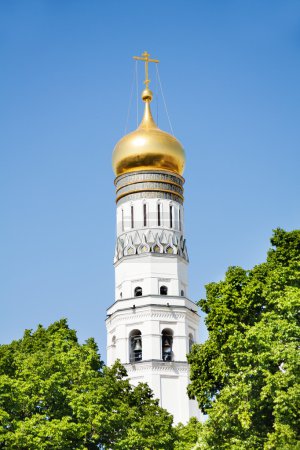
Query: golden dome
column 148, row 147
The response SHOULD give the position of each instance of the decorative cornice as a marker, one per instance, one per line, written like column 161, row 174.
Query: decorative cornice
column 150, row 194
column 149, row 174
column 148, row 316
column 120, row 317
column 170, row 367
column 167, row 302
column 148, row 180
column 148, row 184
column 149, row 187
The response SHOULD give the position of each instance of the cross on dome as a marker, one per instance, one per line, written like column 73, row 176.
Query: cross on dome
column 146, row 57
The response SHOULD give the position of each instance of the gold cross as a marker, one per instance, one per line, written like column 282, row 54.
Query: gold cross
column 145, row 57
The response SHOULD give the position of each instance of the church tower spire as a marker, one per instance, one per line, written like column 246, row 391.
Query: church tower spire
column 152, row 323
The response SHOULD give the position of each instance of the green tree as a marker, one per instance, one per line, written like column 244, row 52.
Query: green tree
column 57, row 394
column 187, row 435
column 246, row 376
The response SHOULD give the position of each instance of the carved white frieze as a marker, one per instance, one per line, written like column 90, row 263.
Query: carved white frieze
column 133, row 243
column 170, row 368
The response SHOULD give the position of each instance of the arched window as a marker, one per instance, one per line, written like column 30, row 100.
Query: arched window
column 179, row 219
column 138, row 291
column 182, row 293
column 121, row 295
column 122, row 219
column 163, row 290
column 113, row 341
column 145, row 214
column 191, row 342
column 135, row 346
column 158, row 214
column 167, row 344
column 132, row 217
column 171, row 216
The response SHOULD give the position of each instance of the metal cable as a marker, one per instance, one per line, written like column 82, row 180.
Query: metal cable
column 156, row 96
column 137, row 94
column 130, row 100
column 164, row 99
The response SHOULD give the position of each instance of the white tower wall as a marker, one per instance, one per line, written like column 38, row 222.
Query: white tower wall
column 152, row 323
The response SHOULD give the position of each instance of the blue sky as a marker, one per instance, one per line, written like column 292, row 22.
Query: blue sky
column 230, row 72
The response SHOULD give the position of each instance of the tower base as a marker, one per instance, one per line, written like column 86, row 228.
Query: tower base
column 168, row 381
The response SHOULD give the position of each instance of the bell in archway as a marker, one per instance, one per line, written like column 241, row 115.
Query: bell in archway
column 137, row 346
column 167, row 343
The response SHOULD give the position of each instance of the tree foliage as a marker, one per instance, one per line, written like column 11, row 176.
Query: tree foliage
column 246, row 376
column 57, row 394
column 187, row 435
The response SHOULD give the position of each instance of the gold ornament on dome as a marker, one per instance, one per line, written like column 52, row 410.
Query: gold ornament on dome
column 148, row 147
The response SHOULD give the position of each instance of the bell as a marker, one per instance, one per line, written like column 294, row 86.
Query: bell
column 167, row 343
column 137, row 346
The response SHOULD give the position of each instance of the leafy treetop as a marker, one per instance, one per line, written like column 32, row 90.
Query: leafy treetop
column 57, row 394
column 247, row 374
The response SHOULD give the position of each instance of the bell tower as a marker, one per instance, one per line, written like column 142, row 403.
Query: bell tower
column 152, row 323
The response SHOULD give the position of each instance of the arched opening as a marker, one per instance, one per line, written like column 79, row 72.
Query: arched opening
column 191, row 342
column 122, row 220
column 179, row 219
column 158, row 214
column 138, row 291
column 167, row 344
column 163, row 290
column 135, row 346
column 145, row 214
column 121, row 295
column 171, row 216
column 132, row 216
column 182, row 293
